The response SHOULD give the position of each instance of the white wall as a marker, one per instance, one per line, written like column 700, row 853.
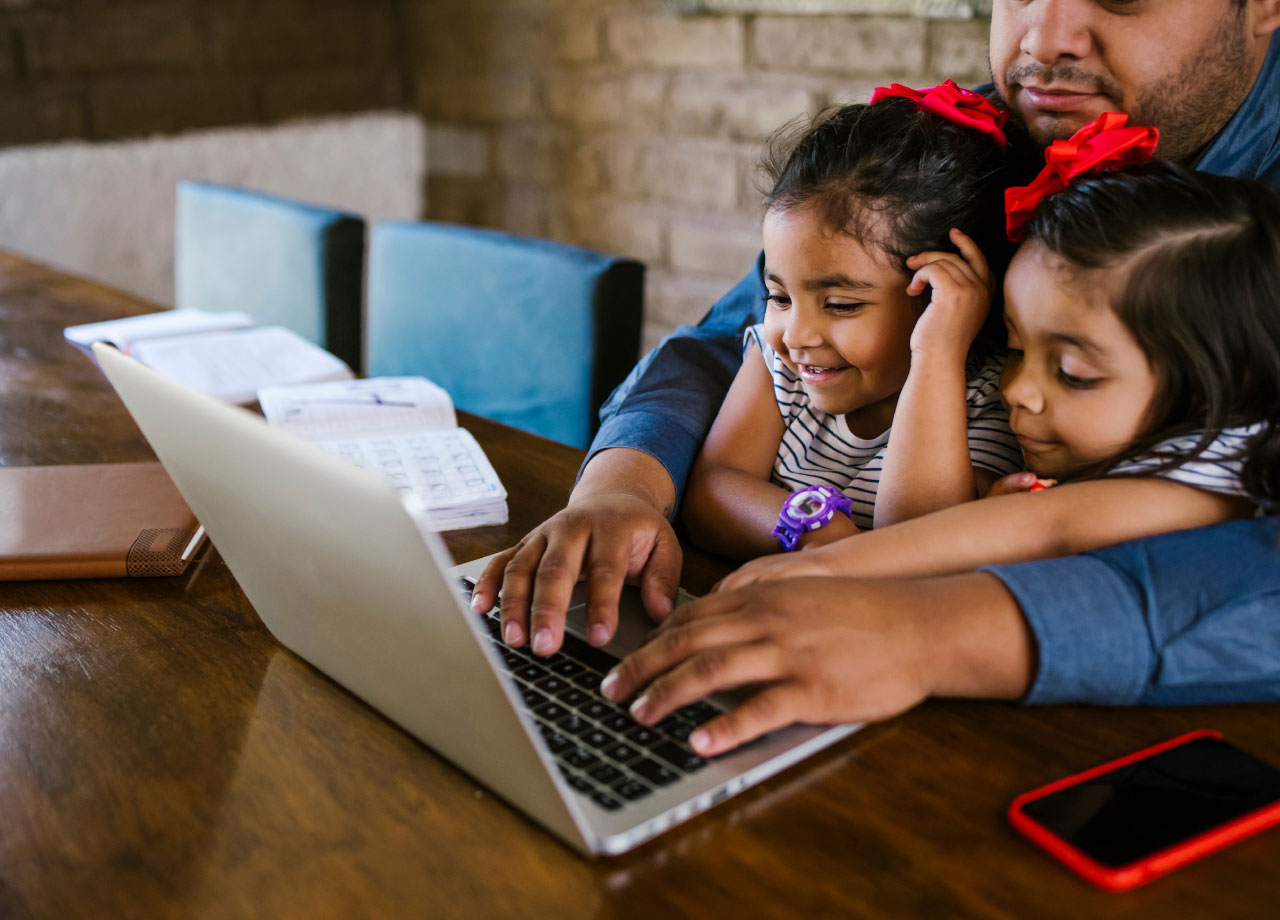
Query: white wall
column 106, row 210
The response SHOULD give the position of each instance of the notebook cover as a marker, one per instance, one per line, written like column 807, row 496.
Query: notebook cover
column 101, row 520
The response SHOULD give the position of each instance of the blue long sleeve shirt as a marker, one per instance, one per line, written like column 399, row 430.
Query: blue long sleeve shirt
column 1181, row 618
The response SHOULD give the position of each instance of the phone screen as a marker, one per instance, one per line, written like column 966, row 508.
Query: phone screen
column 1134, row 811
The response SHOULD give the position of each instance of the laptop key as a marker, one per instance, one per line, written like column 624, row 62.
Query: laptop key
column 556, row 741
column 580, row 758
column 573, row 697
column 606, row 801
column 596, row 709
column 567, row 667
column 588, row 679
column 682, row 759
column 574, row 724
column 677, row 728
column 589, row 655
column 631, row 790
column 531, row 672
column 644, row 736
column 619, row 722
column 551, row 712
column 552, row 684
column 606, row 773
column 597, row 738
column 621, row 752
column 654, row 772
column 532, row 698
column 577, row 782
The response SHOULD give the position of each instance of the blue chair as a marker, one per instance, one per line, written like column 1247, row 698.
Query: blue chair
column 285, row 263
column 533, row 333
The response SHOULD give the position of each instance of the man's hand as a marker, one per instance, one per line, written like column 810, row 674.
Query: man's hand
column 614, row 529
column 828, row 651
column 1018, row 482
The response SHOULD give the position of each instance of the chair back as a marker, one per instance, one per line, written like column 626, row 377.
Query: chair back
column 284, row 262
column 530, row 332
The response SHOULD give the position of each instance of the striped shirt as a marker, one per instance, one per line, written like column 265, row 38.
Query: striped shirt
column 818, row 448
column 1215, row 470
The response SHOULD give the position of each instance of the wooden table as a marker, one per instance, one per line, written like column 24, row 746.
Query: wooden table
column 162, row 756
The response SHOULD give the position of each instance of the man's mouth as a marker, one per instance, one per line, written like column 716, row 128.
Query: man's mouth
column 1056, row 99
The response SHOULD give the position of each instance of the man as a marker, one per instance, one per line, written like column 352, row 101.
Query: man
column 1183, row 618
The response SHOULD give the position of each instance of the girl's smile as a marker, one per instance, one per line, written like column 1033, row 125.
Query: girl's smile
column 839, row 316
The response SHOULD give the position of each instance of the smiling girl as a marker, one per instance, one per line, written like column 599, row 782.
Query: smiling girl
column 1144, row 367
column 862, row 399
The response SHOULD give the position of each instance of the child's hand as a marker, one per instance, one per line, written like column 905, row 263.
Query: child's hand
column 962, row 288
column 1019, row 482
column 783, row 565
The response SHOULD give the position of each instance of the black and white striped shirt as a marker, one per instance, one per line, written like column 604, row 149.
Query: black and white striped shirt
column 1215, row 470
column 818, row 448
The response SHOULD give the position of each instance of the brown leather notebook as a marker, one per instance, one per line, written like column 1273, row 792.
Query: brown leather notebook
column 99, row 520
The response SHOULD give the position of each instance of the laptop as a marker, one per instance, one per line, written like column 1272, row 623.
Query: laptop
column 344, row 574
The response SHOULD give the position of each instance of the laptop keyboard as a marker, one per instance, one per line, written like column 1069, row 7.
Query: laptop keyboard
column 601, row 751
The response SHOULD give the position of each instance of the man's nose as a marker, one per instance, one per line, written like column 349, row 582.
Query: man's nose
column 1056, row 29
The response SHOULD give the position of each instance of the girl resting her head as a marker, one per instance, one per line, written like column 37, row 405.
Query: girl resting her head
column 864, row 377
column 1144, row 367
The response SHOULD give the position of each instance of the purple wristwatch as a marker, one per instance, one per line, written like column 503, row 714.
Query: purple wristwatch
column 808, row 509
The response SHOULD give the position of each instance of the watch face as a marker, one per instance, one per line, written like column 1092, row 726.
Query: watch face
column 810, row 507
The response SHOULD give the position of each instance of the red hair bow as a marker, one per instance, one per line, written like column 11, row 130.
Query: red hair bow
column 954, row 103
column 1103, row 145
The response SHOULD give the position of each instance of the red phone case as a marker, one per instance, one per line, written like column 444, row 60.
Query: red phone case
column 1122, row 878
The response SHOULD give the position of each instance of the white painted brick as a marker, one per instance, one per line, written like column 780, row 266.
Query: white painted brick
column 457, row 150
column 871, row 45
column 673, row 299
column 687, row 172
column 722, row 248
column 958, row 50
column 740, row 108
column 674, row 41
column 613, row 227
column 635, row 102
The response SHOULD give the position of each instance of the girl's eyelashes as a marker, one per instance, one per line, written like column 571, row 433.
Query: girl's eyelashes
column 1077, row 383
column 777, row 300
column 844, row 309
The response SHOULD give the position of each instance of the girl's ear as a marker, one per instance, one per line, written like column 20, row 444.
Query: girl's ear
column 1266, row 16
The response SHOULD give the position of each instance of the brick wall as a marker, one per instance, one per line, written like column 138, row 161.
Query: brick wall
column 85, row 69
column 614, row 124
column 618, row 125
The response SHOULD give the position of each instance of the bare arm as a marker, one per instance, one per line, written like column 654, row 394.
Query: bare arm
column 1063, row 521
column 927, row 465
column 730, row 505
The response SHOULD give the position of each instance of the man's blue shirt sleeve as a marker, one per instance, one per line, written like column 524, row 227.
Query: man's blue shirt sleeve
column 666, row 405
column 1183, row 618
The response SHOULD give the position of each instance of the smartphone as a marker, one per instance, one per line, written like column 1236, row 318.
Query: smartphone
column 1126, row 822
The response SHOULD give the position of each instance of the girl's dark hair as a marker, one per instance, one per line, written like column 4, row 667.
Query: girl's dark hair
column 893, row 176
column 1200, row 292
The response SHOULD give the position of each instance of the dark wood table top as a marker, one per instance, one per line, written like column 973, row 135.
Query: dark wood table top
column 162, row 756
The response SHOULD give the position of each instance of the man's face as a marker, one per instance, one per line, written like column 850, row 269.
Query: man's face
column 1183, row 66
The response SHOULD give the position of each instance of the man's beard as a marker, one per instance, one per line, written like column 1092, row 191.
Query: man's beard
column 1189, row 107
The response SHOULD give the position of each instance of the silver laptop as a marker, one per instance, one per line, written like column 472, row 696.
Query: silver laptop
column 342, row 573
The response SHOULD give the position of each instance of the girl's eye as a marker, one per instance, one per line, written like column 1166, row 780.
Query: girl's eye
column 1076, row 383
column 777, row 300
column 844, row 309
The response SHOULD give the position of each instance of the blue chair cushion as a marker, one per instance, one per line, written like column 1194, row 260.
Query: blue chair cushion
column 533, row 333
column 284, row 262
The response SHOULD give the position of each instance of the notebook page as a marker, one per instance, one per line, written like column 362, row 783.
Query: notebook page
column 123, row 333
column 234, row 365
column 354, row 408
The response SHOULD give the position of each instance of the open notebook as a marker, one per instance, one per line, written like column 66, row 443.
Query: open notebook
column 403, row 429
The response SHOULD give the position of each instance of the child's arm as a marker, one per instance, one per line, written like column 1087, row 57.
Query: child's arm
column 730, row 506
column 1063, row 521
column 927, row 465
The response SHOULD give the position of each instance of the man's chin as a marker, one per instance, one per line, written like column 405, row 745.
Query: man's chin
column 1047, row 127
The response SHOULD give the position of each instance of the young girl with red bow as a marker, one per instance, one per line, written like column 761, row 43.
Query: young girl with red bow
column 1144, row 367
column 863, row 390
